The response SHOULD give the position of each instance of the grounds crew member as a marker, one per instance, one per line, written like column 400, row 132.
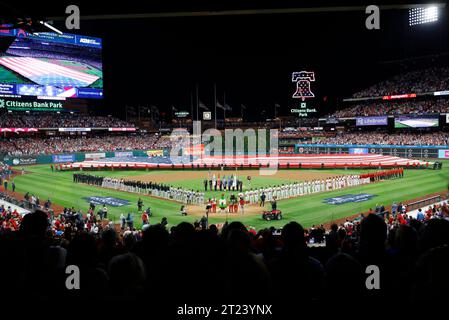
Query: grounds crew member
column 139, row 205
column 274, row 204
column 262, row 199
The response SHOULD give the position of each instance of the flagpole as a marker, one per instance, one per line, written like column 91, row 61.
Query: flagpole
column 139, row 115
column 224, row 107
column 197, row 101
column 126, row 113
column 191, row 106
column 215, row 104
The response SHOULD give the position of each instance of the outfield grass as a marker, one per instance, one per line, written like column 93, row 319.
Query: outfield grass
column 307, row 210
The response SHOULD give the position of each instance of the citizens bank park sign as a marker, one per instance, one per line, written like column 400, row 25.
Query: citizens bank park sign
column 36, row 105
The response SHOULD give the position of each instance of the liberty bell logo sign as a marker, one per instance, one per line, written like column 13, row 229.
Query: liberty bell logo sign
column 303, row 79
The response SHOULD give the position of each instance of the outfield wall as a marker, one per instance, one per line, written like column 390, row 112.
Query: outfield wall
column 77, row 157
column 252, row 162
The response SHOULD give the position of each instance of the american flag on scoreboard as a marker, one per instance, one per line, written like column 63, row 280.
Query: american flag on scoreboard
column 46, row 73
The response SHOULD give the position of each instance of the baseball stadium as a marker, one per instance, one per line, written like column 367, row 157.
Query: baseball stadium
column 222, row 156
column 318, row 209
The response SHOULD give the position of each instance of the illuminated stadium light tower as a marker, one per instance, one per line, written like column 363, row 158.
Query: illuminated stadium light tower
column 422, row 15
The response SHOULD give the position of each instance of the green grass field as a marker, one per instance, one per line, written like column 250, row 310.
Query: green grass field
column 307, row 210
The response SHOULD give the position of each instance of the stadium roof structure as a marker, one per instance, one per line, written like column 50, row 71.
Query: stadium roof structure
column 172, row 8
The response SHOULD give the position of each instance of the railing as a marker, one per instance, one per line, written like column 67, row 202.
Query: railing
column 422, row 203
column 23, row 203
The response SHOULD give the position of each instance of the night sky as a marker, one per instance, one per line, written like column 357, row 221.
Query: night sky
column 158, row 61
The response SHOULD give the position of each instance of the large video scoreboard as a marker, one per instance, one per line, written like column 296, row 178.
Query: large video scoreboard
column 51, row 66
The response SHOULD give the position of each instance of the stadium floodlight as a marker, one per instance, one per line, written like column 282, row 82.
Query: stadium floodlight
column 422, row 15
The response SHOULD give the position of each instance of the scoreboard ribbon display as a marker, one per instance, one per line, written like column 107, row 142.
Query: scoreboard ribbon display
column 391, row 150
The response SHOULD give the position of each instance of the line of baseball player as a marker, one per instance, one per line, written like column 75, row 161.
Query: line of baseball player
column 157, row 190
column 292, row 190
column 278, row 192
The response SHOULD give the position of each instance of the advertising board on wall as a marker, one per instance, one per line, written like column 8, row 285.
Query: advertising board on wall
column 155, row 153
column 95, row 156
column 62, row 158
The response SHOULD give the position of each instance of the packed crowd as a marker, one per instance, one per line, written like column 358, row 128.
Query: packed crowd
column 61, row 120
column 419, row 81
column 9, row 219
column 55, row 145
column 92, row 220
column 127, row 262
column 411, row 254
column 380, row 108
column 395, row 217
column 52, row 145
column 399, row 139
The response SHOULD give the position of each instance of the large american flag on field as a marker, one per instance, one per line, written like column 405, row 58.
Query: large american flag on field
column 47, row 73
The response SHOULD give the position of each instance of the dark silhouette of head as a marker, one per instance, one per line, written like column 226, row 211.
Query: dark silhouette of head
column 334, row 227
column 293, row 237
column 35, row 224
column 235, row 225
column 238, row 241
column 213, row 229
column 82, row 250
column 344, row 277
column 434, row 233
column 406, row 240
column 129, row 240
column 373, row 232
column 183, row 232
column 127, row 274
column 155, row 238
